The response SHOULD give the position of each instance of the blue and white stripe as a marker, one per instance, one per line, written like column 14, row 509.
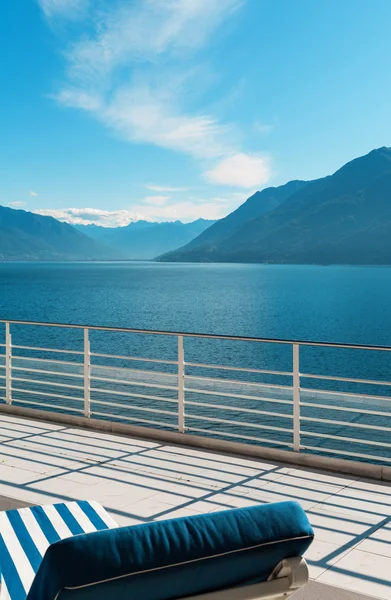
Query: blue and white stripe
column 25, row 535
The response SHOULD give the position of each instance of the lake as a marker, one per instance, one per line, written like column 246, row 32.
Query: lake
column 337, row 304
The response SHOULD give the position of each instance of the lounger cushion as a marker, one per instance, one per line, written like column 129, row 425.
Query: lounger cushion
column 26, row 534
column 175, row 558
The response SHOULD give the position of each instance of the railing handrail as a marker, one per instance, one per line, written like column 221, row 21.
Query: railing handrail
column 198, row 403
column 213, row 336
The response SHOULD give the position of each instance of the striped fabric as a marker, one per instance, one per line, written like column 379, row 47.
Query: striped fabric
column 25, row 535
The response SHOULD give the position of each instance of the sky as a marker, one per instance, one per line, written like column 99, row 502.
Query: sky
column 117, row 110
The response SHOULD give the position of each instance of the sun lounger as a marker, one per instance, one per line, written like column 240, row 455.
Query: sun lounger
column 74, row 551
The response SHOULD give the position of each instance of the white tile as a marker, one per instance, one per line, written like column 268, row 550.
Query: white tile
column 108, row 473
column 335, row 528
column 350, row 515
column 262, row 481
column 57, row 485
column 306, row 484
column 307, row 497
column 225, row 471
column 207, row 506
column 10, row 474
column 70, row 447
column 177, row 513
column 379, row 542
column 344, row 503
column 112, row 443
column 322, row 476
column 34, row 425
column 29, row 496
column 175, row 473
column 361, row 572
column 371, row 498
column 149, row 509
column 275, row 493
column 372, row 485
column 19, row 429
column 231, row 500
column 83, row 477
column 33, row 459
column 172, row 498
column 189, row 490
column 123, row 520
column 321, row 555
column 141, row 480
column 5, row 438
column 114, row 495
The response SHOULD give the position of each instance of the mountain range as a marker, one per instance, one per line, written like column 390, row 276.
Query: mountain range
column 143, row 240
column 344, row 218
column 27, row 236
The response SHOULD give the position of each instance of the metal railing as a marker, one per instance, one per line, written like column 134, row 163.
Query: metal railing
column 180, row 395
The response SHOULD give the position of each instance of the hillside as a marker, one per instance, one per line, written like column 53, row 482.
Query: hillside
column 344, row 218
column 144, row 240
column 258, row 204
column 27, row 236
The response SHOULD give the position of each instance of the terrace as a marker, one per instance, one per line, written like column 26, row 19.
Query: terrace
column 104, row 437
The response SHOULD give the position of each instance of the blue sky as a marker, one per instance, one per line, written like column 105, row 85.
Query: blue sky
column 116, row 110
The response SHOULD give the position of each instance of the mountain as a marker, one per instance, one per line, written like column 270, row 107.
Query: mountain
column 258, row 204
column 144, row 240
column 344, row 218
column 97, row 231
column 27, row 236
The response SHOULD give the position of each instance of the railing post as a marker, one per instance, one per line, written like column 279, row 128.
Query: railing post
column 296, row 398
column 8, row 364
column 181, row 385
column 87, row 375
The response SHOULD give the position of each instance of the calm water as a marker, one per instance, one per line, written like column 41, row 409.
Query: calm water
column 344, row 304
column 338, row 304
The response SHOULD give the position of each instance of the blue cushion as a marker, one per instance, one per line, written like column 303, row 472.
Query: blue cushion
column 175, row 558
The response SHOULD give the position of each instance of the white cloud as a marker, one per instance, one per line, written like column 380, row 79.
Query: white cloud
column 156, row 200
column 65, row 8
column 78, row 99
column 136, row 30
column 32, row 193
column 186, row 211
column 88, row 216
column 143, row 115
column 17, row 204
column 240, row 170
column 166, row 188
column 131, row 68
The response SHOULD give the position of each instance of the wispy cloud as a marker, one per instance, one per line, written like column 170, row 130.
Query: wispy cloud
column 152, row 208
column 32, row 193
column 166, row 188
column 157, row 200
column 64, row 8
column 240, row 170
column 17, row 204
column 134, row 66
column 88, row 216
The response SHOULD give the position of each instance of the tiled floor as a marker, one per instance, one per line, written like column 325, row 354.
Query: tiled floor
column 139, row 481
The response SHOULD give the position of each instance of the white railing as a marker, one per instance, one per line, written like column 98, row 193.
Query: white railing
column 181, row 396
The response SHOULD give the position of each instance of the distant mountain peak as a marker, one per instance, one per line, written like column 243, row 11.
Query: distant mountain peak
column 344, row 218
column 29, row 236
column 144, row 240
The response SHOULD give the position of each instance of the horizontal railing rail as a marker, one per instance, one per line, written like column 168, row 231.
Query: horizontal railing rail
column 185, row 396
column 198, row 335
